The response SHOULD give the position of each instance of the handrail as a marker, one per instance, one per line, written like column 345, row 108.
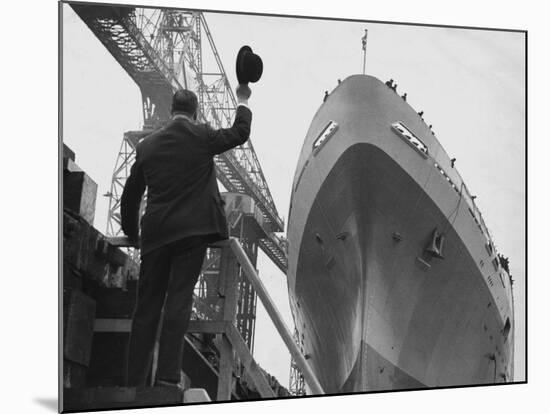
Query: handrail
column 261, row 291
column 284, row 332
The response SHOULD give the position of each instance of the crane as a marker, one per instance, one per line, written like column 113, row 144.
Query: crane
column 162, row 51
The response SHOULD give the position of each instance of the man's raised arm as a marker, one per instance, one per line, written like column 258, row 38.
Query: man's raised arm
column 224, row 139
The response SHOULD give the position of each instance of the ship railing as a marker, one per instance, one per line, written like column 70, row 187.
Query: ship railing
column 451, row 175
column 456, row 182
column 478, row 217
column 436, row 154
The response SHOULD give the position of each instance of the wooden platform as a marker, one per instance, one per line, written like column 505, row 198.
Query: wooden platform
column 99, row 292
column 98, row 398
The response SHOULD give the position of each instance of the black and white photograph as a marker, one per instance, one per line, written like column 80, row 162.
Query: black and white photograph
column 261, row 207
column 248, row 206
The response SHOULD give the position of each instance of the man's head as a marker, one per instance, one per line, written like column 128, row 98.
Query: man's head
column 185, row 102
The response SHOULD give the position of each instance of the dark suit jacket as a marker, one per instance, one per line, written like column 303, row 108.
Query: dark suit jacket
column 176, row 164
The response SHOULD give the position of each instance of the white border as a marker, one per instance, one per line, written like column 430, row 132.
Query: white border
column 29, row 204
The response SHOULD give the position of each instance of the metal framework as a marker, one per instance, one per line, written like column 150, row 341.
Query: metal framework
column 162, row 51
column 246, row 309
column 125, row 159
column 208, row 298
column 297, row 385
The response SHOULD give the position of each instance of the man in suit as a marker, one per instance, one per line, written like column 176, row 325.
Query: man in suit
column 184, row 213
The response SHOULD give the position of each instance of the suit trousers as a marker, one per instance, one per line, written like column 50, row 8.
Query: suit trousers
column 167, row 277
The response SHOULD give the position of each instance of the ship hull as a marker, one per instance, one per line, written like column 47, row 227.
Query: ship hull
column 374, row 310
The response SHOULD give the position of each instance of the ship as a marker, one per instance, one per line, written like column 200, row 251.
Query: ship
column 394, row 280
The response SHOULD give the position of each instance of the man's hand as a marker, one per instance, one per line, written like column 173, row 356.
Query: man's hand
column 243, row 93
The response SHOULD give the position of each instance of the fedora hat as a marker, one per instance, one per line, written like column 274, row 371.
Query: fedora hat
column 249, row 66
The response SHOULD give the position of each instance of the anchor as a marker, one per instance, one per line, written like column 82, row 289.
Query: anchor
column 435, row 247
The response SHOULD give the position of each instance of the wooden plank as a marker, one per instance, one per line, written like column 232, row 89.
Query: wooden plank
column 86, row 252
column 74, row 374
column 125, row 325
column 228, row 290
column 249, row 363
column 79, row 194
column 74, row 232
column 110, row 252
column 72, row 279
column 101, row 398
column 220, row 244
column 213, row 327
column 228, row 274
column 108, row 359
column 124, row 241
column 222, row 274
column 225, row 370
column 284, row 332
column 121, row 241
column 114, row 302
column 113, row 325
column 79, row 314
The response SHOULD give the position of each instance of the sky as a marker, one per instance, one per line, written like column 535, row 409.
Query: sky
column 469, row 83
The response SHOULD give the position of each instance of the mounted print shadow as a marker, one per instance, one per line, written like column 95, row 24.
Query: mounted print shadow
column 265, row 206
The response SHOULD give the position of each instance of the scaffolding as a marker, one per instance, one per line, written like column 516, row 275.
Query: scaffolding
column 297, row 385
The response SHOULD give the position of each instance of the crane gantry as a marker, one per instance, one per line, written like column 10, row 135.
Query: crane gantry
column 162, row 51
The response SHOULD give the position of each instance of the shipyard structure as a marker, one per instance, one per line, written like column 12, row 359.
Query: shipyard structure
column 394, row 281
column 163, row 50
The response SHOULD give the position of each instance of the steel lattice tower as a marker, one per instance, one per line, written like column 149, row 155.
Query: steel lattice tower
column 163, row 50
column 297, row 385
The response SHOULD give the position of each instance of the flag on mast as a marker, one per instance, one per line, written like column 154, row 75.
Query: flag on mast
column 364, row 40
